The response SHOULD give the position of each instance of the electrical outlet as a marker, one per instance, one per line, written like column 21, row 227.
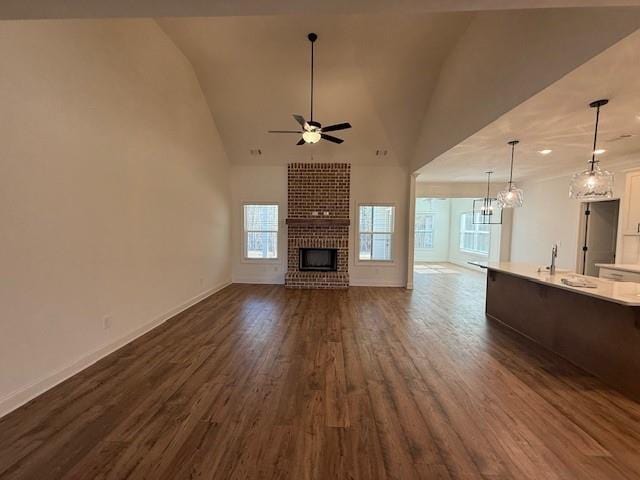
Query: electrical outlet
column 201, row 281
column 106, row 322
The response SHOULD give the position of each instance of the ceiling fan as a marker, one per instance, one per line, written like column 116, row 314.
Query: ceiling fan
column 312, row 131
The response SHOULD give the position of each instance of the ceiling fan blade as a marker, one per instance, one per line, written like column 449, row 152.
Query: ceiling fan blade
column 300, row 119
column 284, row 131
column 331, row 139
column 301, row 142
column 337, row 126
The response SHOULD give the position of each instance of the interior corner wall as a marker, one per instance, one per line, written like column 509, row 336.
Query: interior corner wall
column 114, row 194
column 456, row 255
column 447, row 212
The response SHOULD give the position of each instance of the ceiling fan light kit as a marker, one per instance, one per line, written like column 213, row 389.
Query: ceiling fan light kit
column 311, row 136
column 593, row 183
column 312, row 131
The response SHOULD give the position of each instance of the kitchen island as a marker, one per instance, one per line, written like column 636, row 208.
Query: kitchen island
column 619, row 272
column 597, row 329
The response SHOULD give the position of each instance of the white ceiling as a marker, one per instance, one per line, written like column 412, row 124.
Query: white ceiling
column 557, row 118
column 375, row 71
column 378, row 70
column 22, row 9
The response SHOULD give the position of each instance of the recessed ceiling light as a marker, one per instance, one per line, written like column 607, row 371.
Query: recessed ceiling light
column 599, row 151
column 546, row 151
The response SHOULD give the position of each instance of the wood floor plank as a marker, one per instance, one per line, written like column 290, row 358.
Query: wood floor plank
column 262, row 382
column 337, row 413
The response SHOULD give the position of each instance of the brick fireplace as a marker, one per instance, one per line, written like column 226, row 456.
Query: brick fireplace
column 318, row 201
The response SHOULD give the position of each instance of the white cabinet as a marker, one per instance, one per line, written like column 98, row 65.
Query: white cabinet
column 619, row 275
column 632, row 204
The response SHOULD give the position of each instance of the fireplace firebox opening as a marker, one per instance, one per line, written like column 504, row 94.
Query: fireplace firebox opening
column 318, row 259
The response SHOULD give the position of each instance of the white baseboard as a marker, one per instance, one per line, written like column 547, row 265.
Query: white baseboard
column 466, row 264
column 375, row 283
column 19, row 397
column 279, row 280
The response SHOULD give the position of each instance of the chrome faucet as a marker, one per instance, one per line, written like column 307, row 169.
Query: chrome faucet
column 554, row 255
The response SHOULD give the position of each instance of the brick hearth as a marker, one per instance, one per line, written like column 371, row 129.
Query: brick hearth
column 318, row 187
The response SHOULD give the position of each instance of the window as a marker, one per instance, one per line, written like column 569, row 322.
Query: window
column 424, row 230
column 375, row 232
column 260, row 231
column 474, row 238
column 424, row 204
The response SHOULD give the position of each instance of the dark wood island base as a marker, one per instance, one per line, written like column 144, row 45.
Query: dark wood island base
column 598, row 335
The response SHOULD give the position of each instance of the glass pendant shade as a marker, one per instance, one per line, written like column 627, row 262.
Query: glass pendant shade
column 510, row 197
column 591, row 184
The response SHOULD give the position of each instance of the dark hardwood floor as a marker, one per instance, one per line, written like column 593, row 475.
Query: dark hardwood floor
column 262, row 382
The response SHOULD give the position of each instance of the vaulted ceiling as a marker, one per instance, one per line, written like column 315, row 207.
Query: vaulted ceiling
column 414, row 85
column 375, row 71
column 21, row 9
column 414, row 78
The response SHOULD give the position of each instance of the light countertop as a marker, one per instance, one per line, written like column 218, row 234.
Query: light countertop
column 625, row 267
column 624, row 293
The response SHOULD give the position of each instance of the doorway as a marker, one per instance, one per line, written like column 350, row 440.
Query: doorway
column 598, row 235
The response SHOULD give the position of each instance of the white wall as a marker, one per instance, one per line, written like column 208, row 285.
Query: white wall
column 380, row 185
column 114, row 194
column 454, row 190
column 259, row 184
column 440, row 209
column 549, row 216
column 368, row 184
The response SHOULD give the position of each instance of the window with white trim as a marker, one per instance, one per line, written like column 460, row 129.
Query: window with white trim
column 375, row 232
column 260, row 231
column 424, row 230
column 474, row 237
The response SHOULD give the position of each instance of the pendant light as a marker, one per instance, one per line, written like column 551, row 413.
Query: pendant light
column 511, row 197
column 487, row 211
column 593, row 183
